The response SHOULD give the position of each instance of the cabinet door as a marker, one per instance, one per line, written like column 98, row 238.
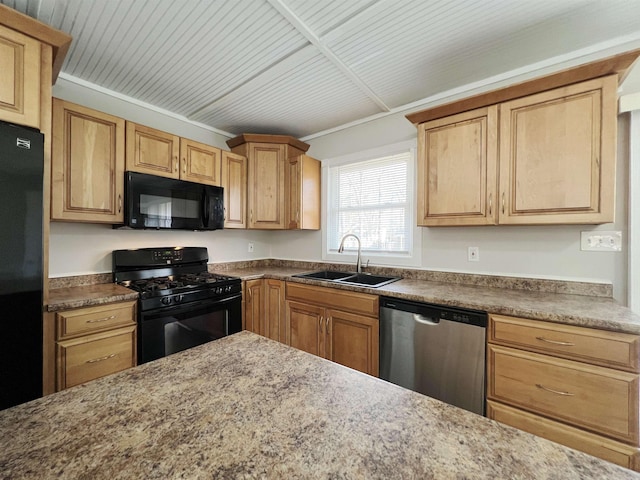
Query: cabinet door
column 87, row 165
column 234, row 182
column 19, row 78
column 254, row 306
column 457, row 162
column 305, row 328
column 303, row 193
column 266, row 181
column 274, row 310
column 199, row 162
column 352, row 340
column 152, row 151
column 557, row 155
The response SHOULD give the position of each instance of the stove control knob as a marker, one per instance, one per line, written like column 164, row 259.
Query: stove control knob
column 178, row 298
column 218, row 290
column 165, row 300
column 227, row 288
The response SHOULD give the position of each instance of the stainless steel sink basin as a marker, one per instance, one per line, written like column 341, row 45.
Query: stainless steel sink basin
column 350, row 278
column 325, row 275
column 368, row 280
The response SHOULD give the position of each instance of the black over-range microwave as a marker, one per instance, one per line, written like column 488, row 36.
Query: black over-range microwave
column 167, row 203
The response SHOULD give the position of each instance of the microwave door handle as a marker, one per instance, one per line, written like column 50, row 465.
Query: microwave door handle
column 205, row 209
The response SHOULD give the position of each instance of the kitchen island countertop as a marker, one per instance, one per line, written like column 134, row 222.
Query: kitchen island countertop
column 248, row 407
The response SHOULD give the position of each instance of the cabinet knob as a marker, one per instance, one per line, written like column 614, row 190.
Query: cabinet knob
column 490, row 202
column 184, row 166
column 503, row 203
column 120, row 203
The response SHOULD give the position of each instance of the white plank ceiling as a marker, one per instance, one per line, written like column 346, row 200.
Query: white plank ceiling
column 303, row 67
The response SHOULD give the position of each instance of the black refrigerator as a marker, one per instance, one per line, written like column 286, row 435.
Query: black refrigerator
column 21, row 208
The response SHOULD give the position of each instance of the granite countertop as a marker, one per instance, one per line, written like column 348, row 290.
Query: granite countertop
column 248, row 407
column 582, row 310
column 88, row 295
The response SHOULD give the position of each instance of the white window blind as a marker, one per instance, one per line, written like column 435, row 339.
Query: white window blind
column 370, row 200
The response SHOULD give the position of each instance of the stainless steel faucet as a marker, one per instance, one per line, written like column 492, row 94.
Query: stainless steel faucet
column 341, row 249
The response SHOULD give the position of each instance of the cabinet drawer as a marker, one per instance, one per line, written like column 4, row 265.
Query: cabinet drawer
column 82, row 321
column 596, row 398
column 94, row 356
column 599, row 347
column 354, row 302
column 601, row 447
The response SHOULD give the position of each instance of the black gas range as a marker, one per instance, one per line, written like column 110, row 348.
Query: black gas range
column 181, row 304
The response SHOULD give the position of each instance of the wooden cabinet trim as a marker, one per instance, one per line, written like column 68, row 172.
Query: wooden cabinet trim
column 234, row 182
column 597, row 347
column 135, row 157
column 598, row 399
column 200, row 163
column 359, row 346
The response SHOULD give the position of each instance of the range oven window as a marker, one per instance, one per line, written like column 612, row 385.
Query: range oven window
column 170, row 330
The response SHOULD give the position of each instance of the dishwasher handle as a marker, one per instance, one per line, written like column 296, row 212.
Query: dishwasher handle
column 421, row 319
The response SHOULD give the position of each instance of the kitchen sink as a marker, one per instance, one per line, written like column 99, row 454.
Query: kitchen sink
column 367, row 280
column 325, row 275
column 349, row 278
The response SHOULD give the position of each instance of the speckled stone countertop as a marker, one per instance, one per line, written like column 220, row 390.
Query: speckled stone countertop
column 88, row 295
column 248, row 407
column 583, row 310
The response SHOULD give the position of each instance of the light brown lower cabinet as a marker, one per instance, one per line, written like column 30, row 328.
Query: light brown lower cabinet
column 93, row 342
column 596, row 445
column 334, row 324
column 264, row 308
column 557, row 381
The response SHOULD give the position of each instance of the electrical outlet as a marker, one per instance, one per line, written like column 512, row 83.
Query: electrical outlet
column 473, row 254
column 601, row 241
column 250, row 247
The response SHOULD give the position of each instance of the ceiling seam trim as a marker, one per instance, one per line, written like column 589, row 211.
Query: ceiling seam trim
column 302, row 27
column 148, row 106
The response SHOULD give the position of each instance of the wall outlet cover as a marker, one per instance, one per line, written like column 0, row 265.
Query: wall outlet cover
column 601, row 241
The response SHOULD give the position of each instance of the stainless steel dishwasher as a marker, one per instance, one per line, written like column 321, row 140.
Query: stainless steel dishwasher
column 435, row 350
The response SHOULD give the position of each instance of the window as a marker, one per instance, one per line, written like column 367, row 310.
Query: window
column 372, row 199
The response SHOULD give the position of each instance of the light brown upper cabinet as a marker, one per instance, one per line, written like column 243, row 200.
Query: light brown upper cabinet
column 152, row 151
column 160, row 153
column 303, row 203
column 272, row 181
column 199, row 163
column 457, row 169
column 87, row 165
column 19, row 78
column 234, row 182
column 558, row 154
column 546, row 158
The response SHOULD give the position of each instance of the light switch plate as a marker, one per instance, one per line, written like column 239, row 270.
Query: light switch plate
column 601, row 241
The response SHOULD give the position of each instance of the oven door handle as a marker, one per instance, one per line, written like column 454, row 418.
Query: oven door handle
column 187, row 307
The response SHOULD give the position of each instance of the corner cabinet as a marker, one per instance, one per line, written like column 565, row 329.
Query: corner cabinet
column 93, row 342
column 87, row 165
column 547, row 158
column 20, row 78
column 573, row 385
column 338, row 325
column 276, row 187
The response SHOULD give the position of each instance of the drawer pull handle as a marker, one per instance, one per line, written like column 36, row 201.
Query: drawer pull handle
column 556, row 342
column 96, row 320
column 107, row 357
column 565, row 394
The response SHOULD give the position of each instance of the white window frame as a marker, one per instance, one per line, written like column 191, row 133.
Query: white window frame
column 633, row 288
column 414, row 257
